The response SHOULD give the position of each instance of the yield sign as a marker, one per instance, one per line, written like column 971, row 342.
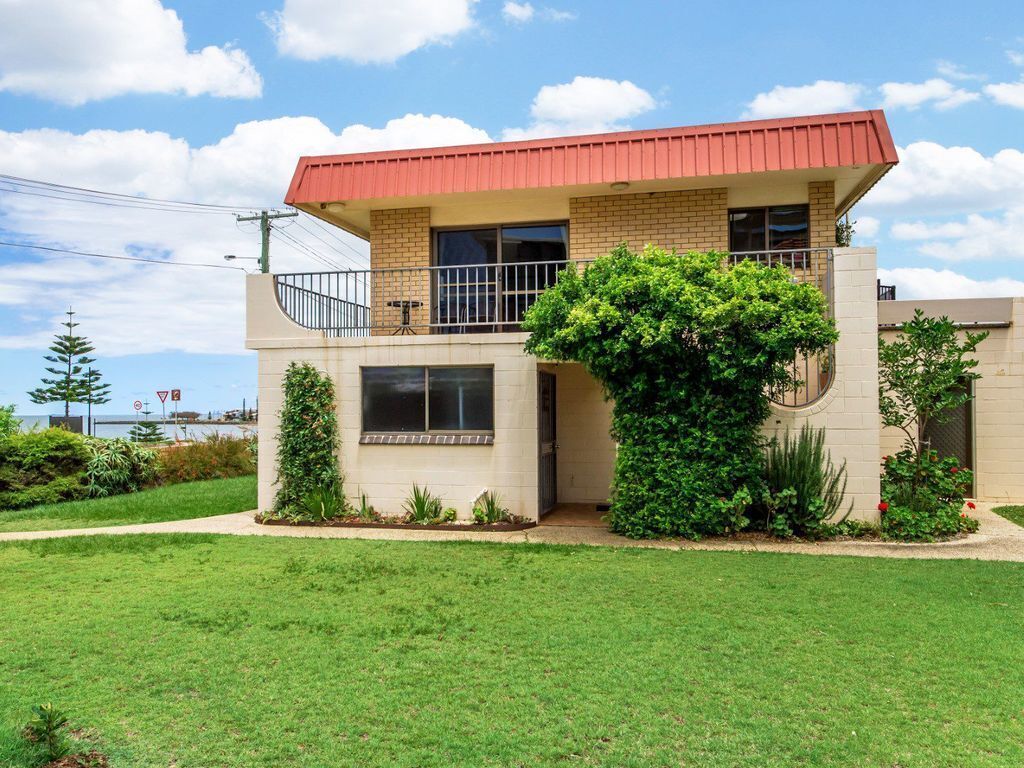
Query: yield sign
column 162, row 394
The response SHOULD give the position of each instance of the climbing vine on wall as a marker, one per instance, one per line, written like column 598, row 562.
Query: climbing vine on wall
column 307, row 452
column 687, row 348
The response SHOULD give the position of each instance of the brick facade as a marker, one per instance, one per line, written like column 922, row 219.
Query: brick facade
column 822, row 198
column 399, row 237
column 686, row 220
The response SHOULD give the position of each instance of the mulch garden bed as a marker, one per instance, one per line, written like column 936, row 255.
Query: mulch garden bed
column 492, row 527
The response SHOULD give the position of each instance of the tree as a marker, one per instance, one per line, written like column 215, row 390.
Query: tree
column 922, row 376
column 73, row 381
column 688, row 350
column 147, row 431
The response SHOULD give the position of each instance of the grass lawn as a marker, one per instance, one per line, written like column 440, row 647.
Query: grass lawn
column 211, row 651
column 181, row 501
column 1015, row 514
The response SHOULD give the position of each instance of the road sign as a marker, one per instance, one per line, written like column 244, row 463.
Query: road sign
column 162, row 394
column 175, row 395
column 137, row 405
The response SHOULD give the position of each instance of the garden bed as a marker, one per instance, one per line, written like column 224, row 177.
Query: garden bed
column 394, row 525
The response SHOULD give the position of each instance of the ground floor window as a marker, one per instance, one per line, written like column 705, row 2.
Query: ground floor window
column 424, row 399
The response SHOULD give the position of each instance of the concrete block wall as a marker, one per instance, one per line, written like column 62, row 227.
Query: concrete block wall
column 686, row 220
column 998, row 413
column 849, row 409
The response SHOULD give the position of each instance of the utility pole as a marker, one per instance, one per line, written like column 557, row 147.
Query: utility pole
column 264, row 218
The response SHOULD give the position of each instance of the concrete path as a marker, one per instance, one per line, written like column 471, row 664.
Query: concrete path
column 998, row 539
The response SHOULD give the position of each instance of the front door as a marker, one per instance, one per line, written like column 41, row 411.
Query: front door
column 547, row 471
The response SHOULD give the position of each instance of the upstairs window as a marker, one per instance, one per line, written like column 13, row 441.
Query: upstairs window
column 774, row 228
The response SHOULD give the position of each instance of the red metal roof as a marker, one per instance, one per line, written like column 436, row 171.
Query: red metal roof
column 820, row 141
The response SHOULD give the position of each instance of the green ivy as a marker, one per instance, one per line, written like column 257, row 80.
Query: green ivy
column 687, row 348
column 307, row 451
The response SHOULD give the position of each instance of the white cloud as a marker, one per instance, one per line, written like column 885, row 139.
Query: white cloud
column 364, row 32
column 866, row 227
column 74, row 51
column 941, row 93
column 1007, row 94
column 975, row 238
column 924, row 283
column 129, row 308
column 1016, row 58
column 934, row 179
column 820, row 97
column 955, row 72
column 518, row 13
column 586, row 105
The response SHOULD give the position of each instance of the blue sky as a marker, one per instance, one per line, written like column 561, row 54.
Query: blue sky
column 213, row 102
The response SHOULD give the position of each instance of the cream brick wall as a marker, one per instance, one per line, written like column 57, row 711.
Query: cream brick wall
column 684, row 220
column 586, row 452
column 998, row 413
column 849, row 410
column 400, row 237
column 822, row 214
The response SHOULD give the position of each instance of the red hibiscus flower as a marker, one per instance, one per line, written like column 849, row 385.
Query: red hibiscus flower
column 883, row 507
column 970, row 505
column 954, row 470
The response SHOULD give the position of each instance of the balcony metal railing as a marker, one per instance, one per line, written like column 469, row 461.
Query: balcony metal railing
column 886, row 292
column 489, row 298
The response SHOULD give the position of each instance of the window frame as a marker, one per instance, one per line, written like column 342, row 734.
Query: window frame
column 426, row 405
column 765, row 211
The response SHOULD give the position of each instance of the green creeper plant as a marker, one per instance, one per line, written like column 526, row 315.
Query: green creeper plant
column 688, row 349
column 72, row 380
column 9, row 424
column 307, row 450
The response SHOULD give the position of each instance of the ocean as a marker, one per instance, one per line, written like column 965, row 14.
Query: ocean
column 102, row 429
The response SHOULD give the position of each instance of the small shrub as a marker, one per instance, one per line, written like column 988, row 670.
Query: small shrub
column 366, row 513
column 488, row 510
column 422, row 507
column 923, row 497
column 803, row 490
column 215, row 457
column 47, row 730
column 8, row 424
column 42, row 467
column 118, row 466
column 325, row 502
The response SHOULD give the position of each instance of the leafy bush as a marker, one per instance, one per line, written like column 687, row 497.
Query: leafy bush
column 212, row 458
column 47, row 730
column 8, row 424
column 924, row 500
column 424, row 508
column 325, row 502
column 42, row 468
column 118, row 466
column 687, row 350
column 803, row 489
column 308, row 443
column 488, row 510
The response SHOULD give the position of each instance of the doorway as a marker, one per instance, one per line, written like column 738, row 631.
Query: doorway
column 955, row 437
column 547, row 474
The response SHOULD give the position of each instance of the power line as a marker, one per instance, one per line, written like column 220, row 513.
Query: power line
column 333, row 233
column 117, row 204
column 20, row 181
column 297, row 244
column 335, row 250
column 119, row 258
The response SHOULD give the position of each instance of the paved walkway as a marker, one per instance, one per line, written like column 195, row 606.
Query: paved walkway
column 998, row 539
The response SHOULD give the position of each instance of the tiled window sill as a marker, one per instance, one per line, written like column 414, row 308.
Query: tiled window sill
column 426, row 439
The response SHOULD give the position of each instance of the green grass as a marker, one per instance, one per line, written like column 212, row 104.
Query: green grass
column 181, row 501
column 1015, row 514
column 211, row 651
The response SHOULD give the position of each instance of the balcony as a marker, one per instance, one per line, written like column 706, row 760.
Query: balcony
column 477, row 298
column 886, row 292
column 493, row 298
